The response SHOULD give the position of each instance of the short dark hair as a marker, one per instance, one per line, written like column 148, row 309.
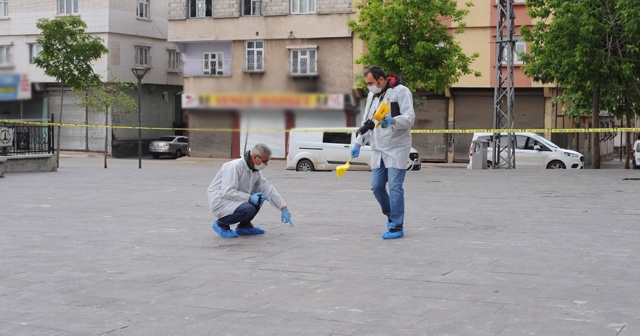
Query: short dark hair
column 376, row 72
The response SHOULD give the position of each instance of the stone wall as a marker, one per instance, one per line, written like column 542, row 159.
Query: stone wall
column 177, row 9
column 231, row 8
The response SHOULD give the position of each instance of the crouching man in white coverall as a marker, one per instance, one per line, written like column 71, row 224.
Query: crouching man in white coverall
column 238, row 191
column 390, row 144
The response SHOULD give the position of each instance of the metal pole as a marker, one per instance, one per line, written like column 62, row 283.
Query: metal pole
column 139, row 124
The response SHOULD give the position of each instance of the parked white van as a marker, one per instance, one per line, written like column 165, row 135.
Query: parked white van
column 326, row 148
column 532, row 151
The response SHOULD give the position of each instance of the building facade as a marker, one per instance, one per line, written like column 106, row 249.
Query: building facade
column 255, row 69
column 134, row 31
column 470, row 101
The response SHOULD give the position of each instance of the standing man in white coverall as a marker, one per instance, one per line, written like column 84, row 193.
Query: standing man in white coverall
column 238, row 191
column 390, row 144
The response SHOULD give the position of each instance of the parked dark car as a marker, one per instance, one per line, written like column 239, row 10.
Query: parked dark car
column 174, row 145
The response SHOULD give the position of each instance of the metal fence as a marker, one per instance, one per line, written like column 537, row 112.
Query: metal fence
column 17, row 139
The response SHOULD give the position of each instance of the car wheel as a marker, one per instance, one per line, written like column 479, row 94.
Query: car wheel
column 155, row 156
column 178, row 154
column 489, row 164
column 304, row 165
column 556, row 165
column 417, row 166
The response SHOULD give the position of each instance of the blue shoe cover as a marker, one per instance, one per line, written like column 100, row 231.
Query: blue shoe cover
column 393, row 235
column 247, row 232
column 224, row 233
column 389, row 225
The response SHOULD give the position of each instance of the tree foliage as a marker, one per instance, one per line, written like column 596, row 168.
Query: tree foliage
column 412, row 38
column 592, row 49
column 108, row 97
column 67, row 55
column 67, row 52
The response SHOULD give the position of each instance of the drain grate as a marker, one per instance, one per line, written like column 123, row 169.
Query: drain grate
column 631, row 179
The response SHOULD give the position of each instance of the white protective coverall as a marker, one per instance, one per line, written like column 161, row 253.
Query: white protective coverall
column 234, row 184
column 391, row 144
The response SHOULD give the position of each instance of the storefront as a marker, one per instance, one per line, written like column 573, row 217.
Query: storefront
column 225, row 125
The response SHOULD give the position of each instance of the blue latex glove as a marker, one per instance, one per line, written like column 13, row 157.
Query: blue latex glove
column 286, row 217
column 257, row 199
column 387, row 121
column 355, row 151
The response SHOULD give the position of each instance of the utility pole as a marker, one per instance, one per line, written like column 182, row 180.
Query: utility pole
column 503, row 94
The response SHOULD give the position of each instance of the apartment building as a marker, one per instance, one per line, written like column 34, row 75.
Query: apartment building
column 468, row 104
column 135, row 32
column 254, row 69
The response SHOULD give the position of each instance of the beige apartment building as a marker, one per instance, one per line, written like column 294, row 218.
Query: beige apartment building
column 255, row 69
column 469, row 103
column 134, row 31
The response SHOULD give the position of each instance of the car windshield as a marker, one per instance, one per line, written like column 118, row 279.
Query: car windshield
column 166, row 138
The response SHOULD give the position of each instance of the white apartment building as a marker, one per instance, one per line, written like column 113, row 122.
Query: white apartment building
column 134, row 31
column 254, row 69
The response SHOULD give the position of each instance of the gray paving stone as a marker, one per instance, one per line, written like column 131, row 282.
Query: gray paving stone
column 127, row 251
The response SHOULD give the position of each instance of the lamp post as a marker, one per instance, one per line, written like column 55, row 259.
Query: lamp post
column 139, row 72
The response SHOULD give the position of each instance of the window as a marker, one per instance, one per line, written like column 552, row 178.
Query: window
column 68, row 6
column 519, row 47
column 303, row 6
column 303, row 62
column 142, row 9
column 142, row 56
column 4, row 8
column 336, row 138
column 34, row 50
column 254, row 60
column 174, row 60
column 213, row 63
column 5, row 55
column 199, row 8
column 252, row 7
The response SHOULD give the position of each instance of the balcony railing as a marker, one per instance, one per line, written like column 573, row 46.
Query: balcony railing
column 198, row 67
column 254, row 64
column 303, row 67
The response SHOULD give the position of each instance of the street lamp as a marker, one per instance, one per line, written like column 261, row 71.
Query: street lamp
column 139, row 72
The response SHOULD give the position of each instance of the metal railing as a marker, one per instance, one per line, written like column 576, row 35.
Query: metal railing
column 20, row 139
column 254, row 64
column 201, row 67
column 303, row 67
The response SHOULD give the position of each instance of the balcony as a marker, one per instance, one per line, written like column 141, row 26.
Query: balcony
column 254, row 64
column 303, row 67
column 207, row 67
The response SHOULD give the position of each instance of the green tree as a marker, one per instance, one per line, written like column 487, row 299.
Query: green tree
column 67, row 55
column 591, row 48
column 411, row 38
column 108, row 96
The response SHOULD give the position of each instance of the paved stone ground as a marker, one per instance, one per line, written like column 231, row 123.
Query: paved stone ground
column 128, row 251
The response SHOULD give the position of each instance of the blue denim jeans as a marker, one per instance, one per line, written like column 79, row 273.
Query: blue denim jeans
column 392, row 202
column 243, row 214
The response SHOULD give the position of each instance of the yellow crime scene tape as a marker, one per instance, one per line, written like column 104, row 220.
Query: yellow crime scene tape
column 415, row 131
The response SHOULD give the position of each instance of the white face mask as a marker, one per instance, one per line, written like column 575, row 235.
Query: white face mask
column 374, row 89
column 260, row 166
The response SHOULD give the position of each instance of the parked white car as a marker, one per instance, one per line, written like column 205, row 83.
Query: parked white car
column 312, row 149
column 532, row 151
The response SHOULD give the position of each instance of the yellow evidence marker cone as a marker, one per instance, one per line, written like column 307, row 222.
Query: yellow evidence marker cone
column 340, row 170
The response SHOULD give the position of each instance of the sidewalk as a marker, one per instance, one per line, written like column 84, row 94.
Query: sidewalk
column 128, row 251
